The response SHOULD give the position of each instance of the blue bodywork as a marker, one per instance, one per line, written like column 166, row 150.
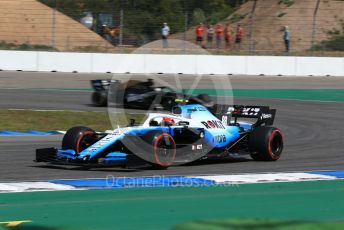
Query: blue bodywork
column 216, row 134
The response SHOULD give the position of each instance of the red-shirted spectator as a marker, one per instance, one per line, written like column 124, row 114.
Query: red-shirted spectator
column 199, row 34
column 239, row 35
column 219, row 35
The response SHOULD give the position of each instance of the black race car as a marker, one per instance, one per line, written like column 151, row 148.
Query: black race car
column 142, row 95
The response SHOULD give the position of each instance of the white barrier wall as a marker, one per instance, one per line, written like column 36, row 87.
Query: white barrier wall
column 66, row 62
column 320, row 66
column 18, row 60
column 186, row 64
column 257, row 65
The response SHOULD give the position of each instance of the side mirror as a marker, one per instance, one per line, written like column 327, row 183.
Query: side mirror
column 153, row 123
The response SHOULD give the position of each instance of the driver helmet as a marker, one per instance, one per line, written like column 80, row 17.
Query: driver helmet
column 168, row 121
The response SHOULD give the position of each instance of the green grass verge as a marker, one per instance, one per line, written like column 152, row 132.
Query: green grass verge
column 25, row 46
column 24, row 120
column 35, row 227
column 258, row 224
column 165, row 208
column 230, row 224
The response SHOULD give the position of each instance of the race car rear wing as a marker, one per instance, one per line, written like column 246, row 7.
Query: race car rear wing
column 104, row 84
column 263, row 114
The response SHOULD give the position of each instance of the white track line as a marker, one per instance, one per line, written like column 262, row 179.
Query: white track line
column 33, row 187
column 218, row 179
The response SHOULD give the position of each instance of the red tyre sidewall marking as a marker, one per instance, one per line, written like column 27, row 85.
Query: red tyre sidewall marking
column 80, row 139
column 156, row 142
column 273, row 134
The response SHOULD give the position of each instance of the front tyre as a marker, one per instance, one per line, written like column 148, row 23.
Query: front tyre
column 163, row 148
column 205, row 98
column 99, row 98
column 265, row 143
column 78, row 138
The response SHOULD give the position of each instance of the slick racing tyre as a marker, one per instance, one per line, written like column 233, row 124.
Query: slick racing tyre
column 99, row 98
column 163, row 148
column 204, row 97
column 265, row 143
column 78, row 139
column 205, row 100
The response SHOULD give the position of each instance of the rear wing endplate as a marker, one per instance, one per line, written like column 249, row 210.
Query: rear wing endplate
column 263, row 114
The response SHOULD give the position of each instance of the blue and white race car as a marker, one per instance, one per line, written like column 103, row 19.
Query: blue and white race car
column 188, row 133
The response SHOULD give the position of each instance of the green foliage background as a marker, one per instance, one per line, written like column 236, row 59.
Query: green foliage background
column 335, row 41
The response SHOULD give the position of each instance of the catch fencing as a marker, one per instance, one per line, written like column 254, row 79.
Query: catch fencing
column 316, row 27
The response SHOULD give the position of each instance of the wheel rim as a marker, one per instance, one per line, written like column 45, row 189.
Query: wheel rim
column 275, row 144
column 84, row 141
column 164, row 150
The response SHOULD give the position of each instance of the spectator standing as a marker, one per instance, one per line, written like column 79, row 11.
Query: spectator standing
column 286, row 37
column 228, row 35
column 199, row 34
column 239, row 36
column 165, row 32
column 210, row 36
column 219, row 35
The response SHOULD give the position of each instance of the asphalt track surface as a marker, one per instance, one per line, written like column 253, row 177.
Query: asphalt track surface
column 70, row 91
column 313, row 135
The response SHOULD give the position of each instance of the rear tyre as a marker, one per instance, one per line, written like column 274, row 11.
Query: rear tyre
column 78, row 139
column 167, row 102
column 265, row 143
column 205, row 97
column 99, row 98
column 206, row 100
column 163, row 148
